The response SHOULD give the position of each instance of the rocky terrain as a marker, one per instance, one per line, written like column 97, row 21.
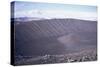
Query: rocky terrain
column 55, row 41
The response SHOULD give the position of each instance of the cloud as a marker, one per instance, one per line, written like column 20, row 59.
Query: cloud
column 57, row 14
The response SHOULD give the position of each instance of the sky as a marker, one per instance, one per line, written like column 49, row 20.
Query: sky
column 52, row 10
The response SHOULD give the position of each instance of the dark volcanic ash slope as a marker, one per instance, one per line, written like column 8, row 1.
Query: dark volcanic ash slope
column 54, row 36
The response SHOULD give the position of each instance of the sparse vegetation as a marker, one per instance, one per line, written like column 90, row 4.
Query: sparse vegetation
column 47, row 59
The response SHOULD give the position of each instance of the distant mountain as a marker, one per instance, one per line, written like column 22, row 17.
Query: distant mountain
column 25, row 19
